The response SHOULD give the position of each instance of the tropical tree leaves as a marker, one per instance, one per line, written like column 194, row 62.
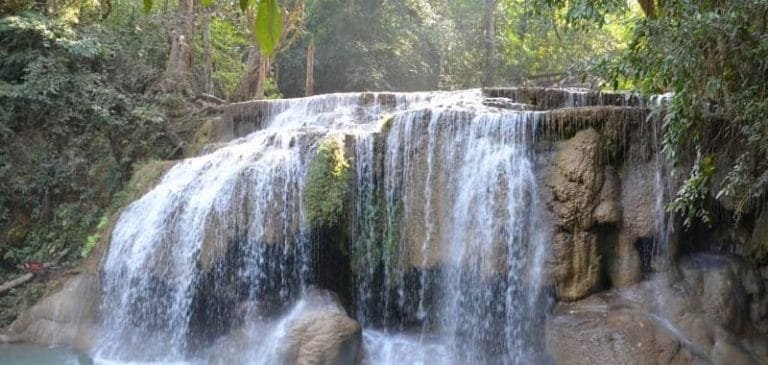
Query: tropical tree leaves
column 268, row 23
column 269, row 26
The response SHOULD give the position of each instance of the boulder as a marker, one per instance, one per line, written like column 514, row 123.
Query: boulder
column 322, row 334
column 316, row 331
column 697, row 316
column 66, row 317
column 594, row 336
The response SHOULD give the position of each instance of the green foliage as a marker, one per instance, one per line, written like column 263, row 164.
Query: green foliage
column 327, row 184
column 68, row 136
column 534, row 44
column 583, row 14
column 19, row 299
column 269, row 26
column 93, row 239
column 690, row 199
column 244, row 4
column 713, row 57
column 366, row 45
column 226, row 39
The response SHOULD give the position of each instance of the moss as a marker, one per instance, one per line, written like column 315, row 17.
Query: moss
column 327, row 184
column 385, row 123
column 203, row 136
column 390, row 248
column 145, row 175
column 18, row 300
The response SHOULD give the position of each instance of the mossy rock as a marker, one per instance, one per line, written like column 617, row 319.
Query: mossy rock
column 203, row 136
column 145, row 176
column 327, row 184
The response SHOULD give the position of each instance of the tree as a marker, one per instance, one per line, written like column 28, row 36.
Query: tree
column 489, row 42
column 178, row 69
column 258, row 66
column 713, row 56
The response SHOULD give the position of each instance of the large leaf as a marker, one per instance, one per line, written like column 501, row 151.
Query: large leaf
column 269, row 25
column 206, row 2
column 147, row 6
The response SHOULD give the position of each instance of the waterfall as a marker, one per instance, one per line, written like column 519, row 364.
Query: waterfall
column 461, row 195
column 446, row 241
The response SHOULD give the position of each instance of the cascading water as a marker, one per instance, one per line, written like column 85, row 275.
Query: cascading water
column 446, row 243
column 166, row 244
column 460, row 199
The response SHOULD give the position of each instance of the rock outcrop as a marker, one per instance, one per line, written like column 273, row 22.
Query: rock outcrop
column 322, row 334
column 317, row 331
column 65, row 318
column 712, row 312
column 575, row 179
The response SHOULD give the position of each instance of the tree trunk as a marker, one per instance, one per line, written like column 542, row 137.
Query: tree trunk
column 10, row 284
column 309, row 87
column 489, row 42
column 178, row 68
column 251, row 85
column 649, row 8
column 207, row 54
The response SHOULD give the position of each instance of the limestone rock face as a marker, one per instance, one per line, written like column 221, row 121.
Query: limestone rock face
column 627, row 267
column 700, row 315
column 589, row 337
column 64, row 318
column 608, row 210
column 638, row 200
column 322, row 334
column 575, row 178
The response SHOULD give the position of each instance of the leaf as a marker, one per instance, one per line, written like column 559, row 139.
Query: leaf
column 206, row 2
column 147, row 6
column 244, row 5
column 269, row 25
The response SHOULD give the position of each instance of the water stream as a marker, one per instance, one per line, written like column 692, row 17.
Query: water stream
column 446, row 243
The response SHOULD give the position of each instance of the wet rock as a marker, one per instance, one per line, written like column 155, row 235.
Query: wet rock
column 63, row 318
column 638, row 199
column 505, row 103
column 716, row 283
column 322, row 333
column 574, row 179
column 317, row 331
column 725, row 352
column 592, row 334
column 758, row 242
column 323, row 338
column 608, row 210
column 627, row 266
column 696, row 316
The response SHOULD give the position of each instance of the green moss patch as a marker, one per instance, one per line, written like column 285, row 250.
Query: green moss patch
column 327, row 184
